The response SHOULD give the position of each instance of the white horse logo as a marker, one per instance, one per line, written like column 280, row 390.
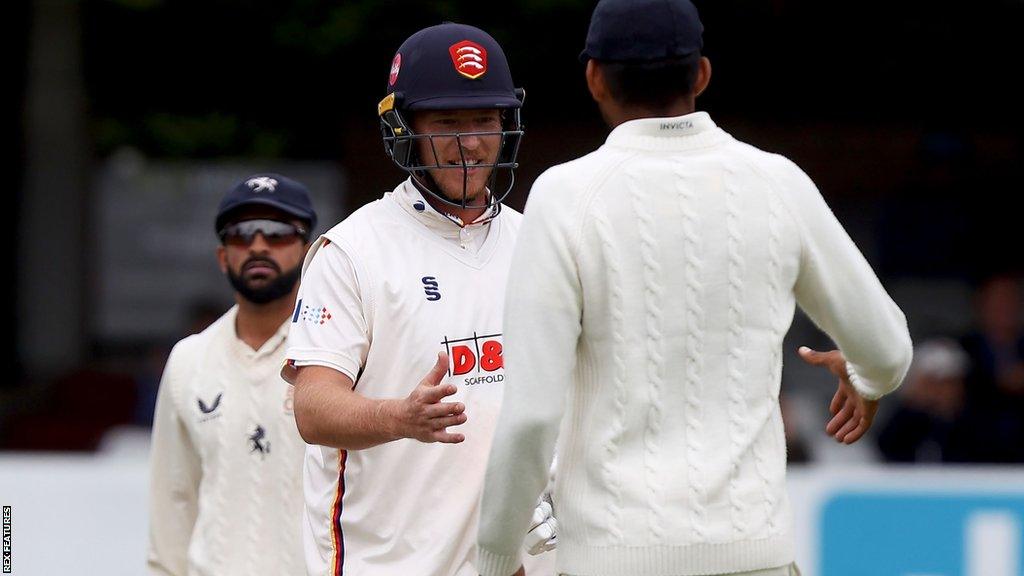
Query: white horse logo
column 262, row 184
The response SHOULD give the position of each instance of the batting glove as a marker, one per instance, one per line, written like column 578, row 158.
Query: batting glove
column 543, row 534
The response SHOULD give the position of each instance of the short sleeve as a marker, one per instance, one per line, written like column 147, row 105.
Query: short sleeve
column 329, row 326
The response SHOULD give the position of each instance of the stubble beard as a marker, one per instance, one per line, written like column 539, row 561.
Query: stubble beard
column 475, row 198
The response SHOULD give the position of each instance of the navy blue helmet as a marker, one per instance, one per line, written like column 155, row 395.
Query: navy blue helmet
column 451, row 67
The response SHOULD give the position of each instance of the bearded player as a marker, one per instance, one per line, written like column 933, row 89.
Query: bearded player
column 224, row 437
column 398, row 449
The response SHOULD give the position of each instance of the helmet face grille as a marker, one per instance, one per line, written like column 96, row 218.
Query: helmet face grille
column 401, row 145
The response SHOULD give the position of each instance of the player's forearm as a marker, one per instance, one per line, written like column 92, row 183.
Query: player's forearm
column 173, row 508
column 171, row 522
column 841, row 293
column 330, row 415
column 877, row 363
column 851, row 306
column 175, row 475
column 543, row 310
column 515, row 478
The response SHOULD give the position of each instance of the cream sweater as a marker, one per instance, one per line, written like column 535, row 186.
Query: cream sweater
column 226, row 460
column 649, row 294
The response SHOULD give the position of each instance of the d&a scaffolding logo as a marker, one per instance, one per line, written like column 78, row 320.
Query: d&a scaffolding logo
column 476, row 358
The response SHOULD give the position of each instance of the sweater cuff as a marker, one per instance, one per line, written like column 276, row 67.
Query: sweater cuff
column 494, row 564
column 865, row 388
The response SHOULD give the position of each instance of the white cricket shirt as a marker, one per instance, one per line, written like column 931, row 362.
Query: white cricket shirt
column 382, row 293
column 648, row 299
column 226, row 460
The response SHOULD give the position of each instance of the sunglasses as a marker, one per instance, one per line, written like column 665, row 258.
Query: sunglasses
column 275, row 233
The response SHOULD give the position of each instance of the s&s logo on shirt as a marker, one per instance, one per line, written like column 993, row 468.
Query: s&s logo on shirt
column 430, row 288
column 477, row 358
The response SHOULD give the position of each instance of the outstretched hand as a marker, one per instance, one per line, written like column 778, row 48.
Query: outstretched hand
column 852, row 414
column 423, row 416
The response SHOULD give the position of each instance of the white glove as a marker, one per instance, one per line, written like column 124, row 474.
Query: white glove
column 543, row 534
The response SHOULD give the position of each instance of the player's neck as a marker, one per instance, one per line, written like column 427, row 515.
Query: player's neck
column 615, row 114
column 257, row 323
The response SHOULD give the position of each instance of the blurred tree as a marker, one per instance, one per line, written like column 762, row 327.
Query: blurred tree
column 13, row 129
column 296, row 73
column 227, row 77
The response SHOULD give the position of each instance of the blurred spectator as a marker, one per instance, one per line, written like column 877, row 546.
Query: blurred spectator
column 202, row 313
column 147, row 383
column 72, row 412
column 923, row 226
column 797, row 449
column 997, row 349
column 966, row 404
column 929, row 424
column 995, row 380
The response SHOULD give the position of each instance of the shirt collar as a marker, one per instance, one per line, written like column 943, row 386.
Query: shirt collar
column 694, row 130
column 412, row 201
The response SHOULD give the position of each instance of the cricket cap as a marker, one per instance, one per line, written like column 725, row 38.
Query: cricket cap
column 643, row 31
column 274, row 190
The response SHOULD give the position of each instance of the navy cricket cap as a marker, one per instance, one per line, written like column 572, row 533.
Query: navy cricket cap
column 449, row 67
column 643, row 31
column 274, row 190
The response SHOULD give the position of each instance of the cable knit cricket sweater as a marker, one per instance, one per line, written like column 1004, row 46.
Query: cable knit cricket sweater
column 225, row 493
column 650, row 291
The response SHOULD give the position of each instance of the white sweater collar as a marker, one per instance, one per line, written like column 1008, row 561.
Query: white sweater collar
column 694, row 130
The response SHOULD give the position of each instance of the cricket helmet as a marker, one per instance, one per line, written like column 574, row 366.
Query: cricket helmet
column 451, row 67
